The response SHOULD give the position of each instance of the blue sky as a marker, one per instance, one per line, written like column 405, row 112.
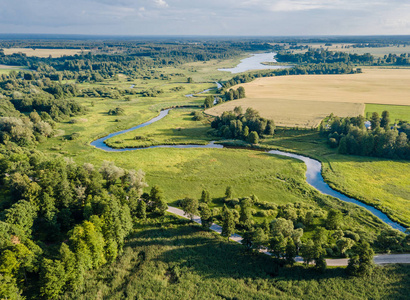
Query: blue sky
column 206, row 17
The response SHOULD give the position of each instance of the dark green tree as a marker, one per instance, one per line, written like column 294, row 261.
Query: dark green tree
column 158, row 203
column 361, row 263
column 206, row 215
column 277, row 245
column 141, row 211
column 375, row 121
column 245, row 218
column 205, row 197
column 253, row 137
column 228, row 193
column 385, row 121
column 190, row 207
column 334, row 219
column 53, row 278
column 228, row 222
column 291, row 252
column 209, row 101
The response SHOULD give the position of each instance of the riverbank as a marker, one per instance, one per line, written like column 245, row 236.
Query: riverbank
column 313, row 172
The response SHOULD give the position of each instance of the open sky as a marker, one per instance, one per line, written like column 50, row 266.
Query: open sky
column 206, row 17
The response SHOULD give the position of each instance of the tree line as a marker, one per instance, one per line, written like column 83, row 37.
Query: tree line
column 312, row 68
column 326, row 56
column 351, row 136
column 229, row 95
column 316, row 56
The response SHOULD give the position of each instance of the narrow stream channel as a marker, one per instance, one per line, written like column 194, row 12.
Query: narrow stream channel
column 313, row 167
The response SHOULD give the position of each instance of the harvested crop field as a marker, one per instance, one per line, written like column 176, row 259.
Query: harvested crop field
column 43, row 52
column 303, row 100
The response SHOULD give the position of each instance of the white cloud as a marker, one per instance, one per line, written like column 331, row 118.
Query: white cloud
column 161, row 3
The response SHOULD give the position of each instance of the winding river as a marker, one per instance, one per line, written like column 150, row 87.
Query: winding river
column 255, row 62
column 313, row 171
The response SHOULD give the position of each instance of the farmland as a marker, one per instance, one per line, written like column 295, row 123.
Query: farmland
column 44, row 52
column 7, row 69
column 305, row 100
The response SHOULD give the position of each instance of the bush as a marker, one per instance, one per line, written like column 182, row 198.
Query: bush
column 74, row 136
column 197, row 116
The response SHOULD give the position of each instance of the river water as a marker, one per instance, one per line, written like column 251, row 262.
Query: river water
column 254, row 62
column 313, row 167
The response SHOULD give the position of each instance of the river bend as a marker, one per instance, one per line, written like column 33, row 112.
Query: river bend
column 313, row 168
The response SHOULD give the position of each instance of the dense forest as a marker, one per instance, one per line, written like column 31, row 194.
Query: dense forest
column 326, row 56
column 130, row 59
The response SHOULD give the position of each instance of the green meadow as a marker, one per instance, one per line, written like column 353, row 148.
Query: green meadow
column 185, row 172
column 177, row 127
column 397, row 112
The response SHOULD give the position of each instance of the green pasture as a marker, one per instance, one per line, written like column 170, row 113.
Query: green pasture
column 176, row 128
column 397, row 112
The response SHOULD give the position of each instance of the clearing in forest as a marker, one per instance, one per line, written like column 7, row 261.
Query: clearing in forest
column 43, row 52
column 304, row 100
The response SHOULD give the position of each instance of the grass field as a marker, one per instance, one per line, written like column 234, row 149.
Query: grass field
column 176, row 128
column 170, row 259
column 43, row 52
column 303, row 100
column 397, row 112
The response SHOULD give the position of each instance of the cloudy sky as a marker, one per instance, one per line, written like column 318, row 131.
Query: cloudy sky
column 206, row 17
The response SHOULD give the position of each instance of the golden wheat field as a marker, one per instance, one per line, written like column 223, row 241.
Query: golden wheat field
column 304, row 100
column 43, row 52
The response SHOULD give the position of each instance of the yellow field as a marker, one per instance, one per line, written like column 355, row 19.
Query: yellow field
column 43, row 52
column 303, row 100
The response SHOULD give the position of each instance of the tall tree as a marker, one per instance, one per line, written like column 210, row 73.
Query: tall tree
column 291, row 252
column 334, row 219
column 228, row 192
column 206, row 215
column 228, row 222
column 53, row 278
column 385, row 121
column 190, row 207
column 375, row 121
column 361, row 263
column 209, row 101
column 245, row 218
column 157, row 200
column 253, row 137
column 205, row 197
column 141, row 209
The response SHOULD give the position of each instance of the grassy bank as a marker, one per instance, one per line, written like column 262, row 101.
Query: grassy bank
column 382, row 183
